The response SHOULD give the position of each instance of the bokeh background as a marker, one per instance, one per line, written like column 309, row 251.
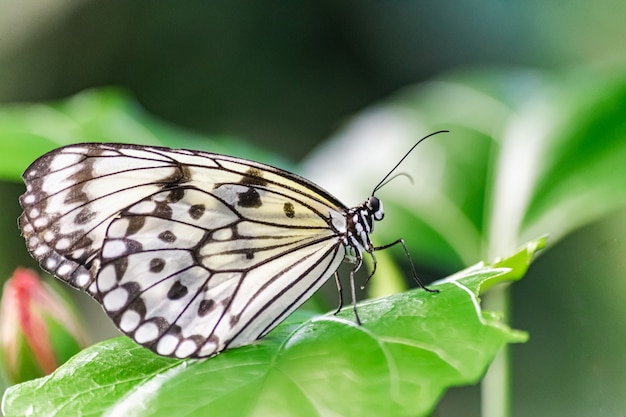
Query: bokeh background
column 278, row 80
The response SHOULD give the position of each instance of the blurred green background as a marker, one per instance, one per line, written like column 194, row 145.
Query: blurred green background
column 274, row 80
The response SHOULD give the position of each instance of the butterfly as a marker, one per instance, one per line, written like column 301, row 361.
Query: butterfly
column 188, row 252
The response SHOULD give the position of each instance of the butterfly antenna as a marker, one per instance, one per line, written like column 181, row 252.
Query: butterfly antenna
column 384, row 180
column 399, row 174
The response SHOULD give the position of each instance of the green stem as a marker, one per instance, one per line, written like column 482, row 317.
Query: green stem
column 496, row 386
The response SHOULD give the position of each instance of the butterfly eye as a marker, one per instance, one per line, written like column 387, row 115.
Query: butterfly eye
column 376, row 207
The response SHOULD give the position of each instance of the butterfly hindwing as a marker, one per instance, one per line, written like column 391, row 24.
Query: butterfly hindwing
column 188, row 252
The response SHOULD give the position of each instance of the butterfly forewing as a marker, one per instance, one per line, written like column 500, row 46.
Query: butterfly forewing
column 188, row 252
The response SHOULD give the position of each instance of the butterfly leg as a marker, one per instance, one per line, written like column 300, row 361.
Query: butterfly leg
column 353, row 292
column 340, row 290
column 406, row 251
column 356, row 314
column 373, row 270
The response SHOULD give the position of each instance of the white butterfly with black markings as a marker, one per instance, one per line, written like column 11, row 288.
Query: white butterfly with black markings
column 189, row 252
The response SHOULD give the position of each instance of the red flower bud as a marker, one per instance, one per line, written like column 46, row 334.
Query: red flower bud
column 38, row 328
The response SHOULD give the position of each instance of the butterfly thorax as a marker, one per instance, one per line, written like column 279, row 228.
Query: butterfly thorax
column 359, row 226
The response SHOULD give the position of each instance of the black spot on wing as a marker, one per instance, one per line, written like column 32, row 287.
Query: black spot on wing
column 80, row 241
column 289, row 210
column 249, row 199
column 75, row 196
column 196, row 211
column 205, row 307
column 132, row 246
column 234, row 320
column 84, row 216
column 157, row 265
column 177, row 291
column 167, row 236
column 163, row 210
column 176, row 195
column 83, row 175
column 226, row 302
column 135, row 224
column 119, row 266
column 253, row 176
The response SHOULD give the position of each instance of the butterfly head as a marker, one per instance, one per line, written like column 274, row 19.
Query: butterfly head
column 375, row 208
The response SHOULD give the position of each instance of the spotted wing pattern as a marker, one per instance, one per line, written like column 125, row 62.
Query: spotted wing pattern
column 188, row 252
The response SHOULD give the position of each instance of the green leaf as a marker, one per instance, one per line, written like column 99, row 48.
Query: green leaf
column 411, row 348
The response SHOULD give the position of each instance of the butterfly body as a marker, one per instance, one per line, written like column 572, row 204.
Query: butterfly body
column 188, row 252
